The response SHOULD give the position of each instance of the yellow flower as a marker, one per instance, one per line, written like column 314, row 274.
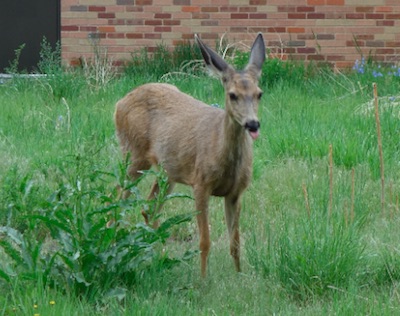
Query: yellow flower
column 52, row 302
column 36, row 314
column 35, row 306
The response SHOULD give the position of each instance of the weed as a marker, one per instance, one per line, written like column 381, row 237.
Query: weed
column 14, row 64
column 67, row 244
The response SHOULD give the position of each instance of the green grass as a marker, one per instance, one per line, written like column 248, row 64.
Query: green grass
column 61, row 164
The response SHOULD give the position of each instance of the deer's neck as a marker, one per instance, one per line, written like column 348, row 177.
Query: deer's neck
column 237, row 145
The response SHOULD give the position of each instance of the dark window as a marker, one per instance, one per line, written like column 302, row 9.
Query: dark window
column 27, row 22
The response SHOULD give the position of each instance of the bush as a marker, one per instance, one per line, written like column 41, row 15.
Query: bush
column 153, row 65
column 70, row 243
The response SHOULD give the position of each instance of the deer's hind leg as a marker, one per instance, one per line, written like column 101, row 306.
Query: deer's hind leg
column 134, row 173
column 155, row 190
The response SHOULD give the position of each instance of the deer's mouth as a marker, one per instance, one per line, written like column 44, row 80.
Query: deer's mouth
column 253, row 127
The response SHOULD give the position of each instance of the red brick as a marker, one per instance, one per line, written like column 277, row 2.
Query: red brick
column 395, row 16
column 239, row 15
column 315, row 57
column 298, row 57
column 117, row 22
column 208, row 35
column 115, row 35
column 152, row 35
column 162, row 15
column 384, row 51
column 200, row 16
column 134, row 22
column 392, row 44
column 258, row 16
column 305, row 9
column 355, row 43
column 133, row 8
column 87, row 28
column 78, row 8
column 306, row 50
column 335, row 15
column 335, row 2
column 374, row 16
column 383, row 9
column 209, row 23
column 106, row 29
column 258, row 2
column 335, row 57
column 191, row 9
column 316, row 16
column 209, row 9
column 94, row 8
column 239, row 29
column 162, row 29
column 172, row 22
column 286, row 8
column 152, row 22
column 306, row 36
column 385, row 23
column 354, row 16
column 289, row 50
column 296, row 16
column 247, row 9
column 125, row 2
column 134, row 35
column 277, row 29
column 229, row 9
column 375, row 43
column 295, row 29
column 106, row 15
column 316, row 2
column 181, row 2
column 326, row 36
column 258, row 29
column 70, row 28
column 365, row 9
column 365, row 36
column 144, row 2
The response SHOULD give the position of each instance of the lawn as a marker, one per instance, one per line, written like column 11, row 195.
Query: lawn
column 319, row 220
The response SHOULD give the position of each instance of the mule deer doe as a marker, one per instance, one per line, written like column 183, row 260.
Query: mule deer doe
column 199, row 145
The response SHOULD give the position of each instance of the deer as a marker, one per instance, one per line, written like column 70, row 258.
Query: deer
column 205, row 147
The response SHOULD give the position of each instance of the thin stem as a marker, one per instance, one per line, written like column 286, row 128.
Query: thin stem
column 330, row 181
column 378, row 131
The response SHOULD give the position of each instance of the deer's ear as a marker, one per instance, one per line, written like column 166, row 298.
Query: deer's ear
column 213, row 61
column 257, row 55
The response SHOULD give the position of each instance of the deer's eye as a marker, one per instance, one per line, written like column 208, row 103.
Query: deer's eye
column 233, row 96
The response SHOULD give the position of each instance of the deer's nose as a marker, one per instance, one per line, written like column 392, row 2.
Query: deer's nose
column 252, row 125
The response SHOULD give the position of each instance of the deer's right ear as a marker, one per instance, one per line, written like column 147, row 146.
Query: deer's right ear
column 213, row 61
column 257, row 55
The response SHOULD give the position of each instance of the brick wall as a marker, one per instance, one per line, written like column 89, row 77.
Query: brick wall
column 331, row 31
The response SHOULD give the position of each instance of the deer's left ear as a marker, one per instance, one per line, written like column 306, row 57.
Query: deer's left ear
column 213, row 61
column 257, row 55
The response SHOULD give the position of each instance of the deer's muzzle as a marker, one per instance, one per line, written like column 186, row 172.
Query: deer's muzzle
column 253, row 128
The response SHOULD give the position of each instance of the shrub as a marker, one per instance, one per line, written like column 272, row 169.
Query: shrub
column 70, row 243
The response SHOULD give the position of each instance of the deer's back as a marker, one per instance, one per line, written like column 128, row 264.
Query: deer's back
column 162, row 125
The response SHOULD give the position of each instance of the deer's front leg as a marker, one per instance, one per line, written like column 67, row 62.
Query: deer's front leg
column 202, row 197
column 232, row 214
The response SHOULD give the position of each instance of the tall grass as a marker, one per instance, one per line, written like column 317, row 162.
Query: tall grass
column 315, row 239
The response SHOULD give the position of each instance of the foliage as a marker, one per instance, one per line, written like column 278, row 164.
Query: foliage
column 71, row 244
column 50, row 59
column 14, row 64
column 66, row 236
column 153, row 65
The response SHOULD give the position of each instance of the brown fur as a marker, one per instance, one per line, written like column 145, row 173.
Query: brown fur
column 198, row 145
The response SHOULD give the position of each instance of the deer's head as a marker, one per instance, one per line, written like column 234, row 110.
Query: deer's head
column 241, row 86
